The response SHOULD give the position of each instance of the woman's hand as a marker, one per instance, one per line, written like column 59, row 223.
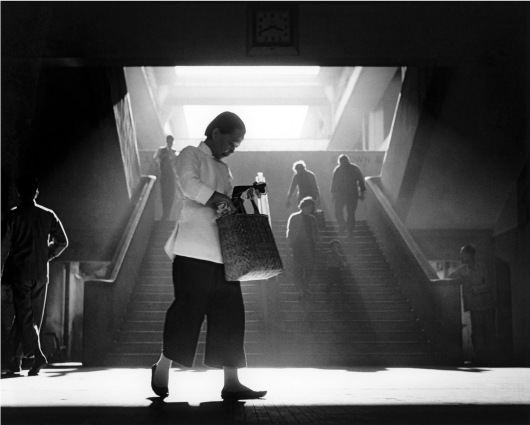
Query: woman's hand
column 218, row 198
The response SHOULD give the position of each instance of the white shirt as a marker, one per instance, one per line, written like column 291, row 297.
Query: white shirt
column 199, row 175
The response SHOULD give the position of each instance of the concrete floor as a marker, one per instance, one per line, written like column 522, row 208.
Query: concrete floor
column 77, row 395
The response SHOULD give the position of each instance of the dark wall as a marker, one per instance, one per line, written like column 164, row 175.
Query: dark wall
column 329, row 33
column 72, row 145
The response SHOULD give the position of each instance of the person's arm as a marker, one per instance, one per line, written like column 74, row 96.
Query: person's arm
column 156, row 156
column 294, row 183
column 187, row 172
column 362, row 186
column 333, row 185
column 317, row 191
column 290, row 230
column 294, row 228
column 58, row 240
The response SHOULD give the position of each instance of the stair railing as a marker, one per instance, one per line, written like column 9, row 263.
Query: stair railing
column 436, row 302
column 105, row 299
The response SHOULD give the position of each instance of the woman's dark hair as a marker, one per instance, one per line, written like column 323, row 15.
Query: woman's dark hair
column 226, row 122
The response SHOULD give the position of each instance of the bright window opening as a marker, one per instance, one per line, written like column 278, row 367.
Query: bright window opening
column 262, row 122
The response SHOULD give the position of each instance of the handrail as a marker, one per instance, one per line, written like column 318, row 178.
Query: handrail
column 105, row 299
column 435, row 301
column 400, row 227
column 127, row 236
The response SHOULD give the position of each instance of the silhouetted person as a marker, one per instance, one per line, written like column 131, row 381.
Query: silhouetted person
column 165, row 157
column 305, row 181
column 347, row 187
column 479, row 301
column 302, row 234
column 334, row 264
column 34, row 236
column 204, row 182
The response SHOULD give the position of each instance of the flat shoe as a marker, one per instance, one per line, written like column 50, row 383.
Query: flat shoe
column 40, row 362
column 242, row 395
column 159, row 391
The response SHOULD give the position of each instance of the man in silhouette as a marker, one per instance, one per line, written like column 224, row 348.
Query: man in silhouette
column 34, row 236
column 479, row 301
column 306, row 182
column 347, row 187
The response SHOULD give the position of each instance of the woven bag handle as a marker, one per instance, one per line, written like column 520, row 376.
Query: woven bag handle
column 256, row 209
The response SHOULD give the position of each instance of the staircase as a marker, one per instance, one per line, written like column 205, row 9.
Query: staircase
column 365, row 321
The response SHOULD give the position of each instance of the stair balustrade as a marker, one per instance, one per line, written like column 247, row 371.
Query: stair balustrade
column 436, row 301
column 106, row 299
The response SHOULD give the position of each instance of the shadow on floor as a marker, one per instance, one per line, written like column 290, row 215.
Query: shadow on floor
column 214, row 413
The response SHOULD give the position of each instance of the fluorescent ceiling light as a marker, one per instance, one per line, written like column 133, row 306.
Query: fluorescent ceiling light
column 261, row 121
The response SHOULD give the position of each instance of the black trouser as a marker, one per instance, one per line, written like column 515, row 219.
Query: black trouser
column 201, row 290
column 351, row 205
column 29, row 298
column 167, row 191
column 304, row 264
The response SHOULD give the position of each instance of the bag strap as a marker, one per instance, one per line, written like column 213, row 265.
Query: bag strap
column 256, row 209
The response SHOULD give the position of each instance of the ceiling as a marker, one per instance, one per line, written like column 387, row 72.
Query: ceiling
column 284, row 108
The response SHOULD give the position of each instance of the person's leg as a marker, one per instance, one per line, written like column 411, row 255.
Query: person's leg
column 333, row 274
column 351, row 206
column 167, row 186
column 26, row 330
column 339, row 214
column 38, row 304
column 488, row 336
column 225, row 337
column 298, row 271
column 226, row 325
column 191, row 281
column 310, row 266
column 478, row 335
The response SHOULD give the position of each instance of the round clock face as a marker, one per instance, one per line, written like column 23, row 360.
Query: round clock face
column 273, row 27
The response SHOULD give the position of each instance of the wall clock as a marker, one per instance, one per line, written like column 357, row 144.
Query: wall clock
column 272, row 29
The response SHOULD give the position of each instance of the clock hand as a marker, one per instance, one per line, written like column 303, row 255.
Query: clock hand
column 265, row 29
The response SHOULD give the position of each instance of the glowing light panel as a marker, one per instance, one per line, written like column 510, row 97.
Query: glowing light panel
column 215, row 71
column 261, row 121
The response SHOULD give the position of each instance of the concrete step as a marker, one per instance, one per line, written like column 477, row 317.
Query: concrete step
column 352, row 348
column 326, row 319
column 160, row 315
column 353, row 335
column 365, row 321
column 157, row 336
column 310, row 306
column 153, row 348
column 157, row 325
column 164, row 305
column 367, row 324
